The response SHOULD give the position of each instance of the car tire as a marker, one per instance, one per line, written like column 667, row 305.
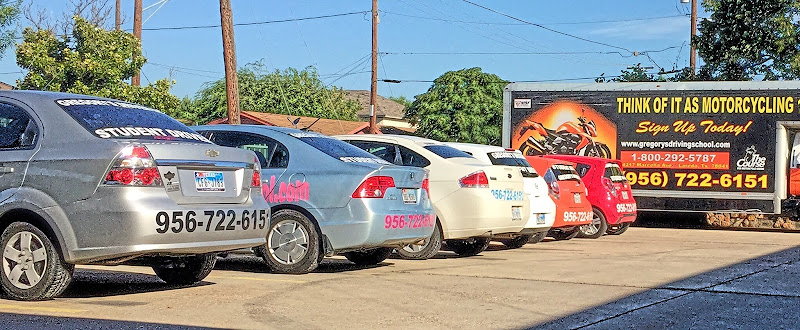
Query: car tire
column 538, row 237
column 369, row 257
column 618, row 229
column 517, row 242
column 185, row 270
column 561, row 235
column 468, row 247
column 595, row 229
column 23, row 244
column 426, row 250
column 293, row 244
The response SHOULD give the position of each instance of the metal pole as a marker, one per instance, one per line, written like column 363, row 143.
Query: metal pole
column 229, row 54
column 137, row 32
column 694, row 33
column 373, row 91
column 117, row 17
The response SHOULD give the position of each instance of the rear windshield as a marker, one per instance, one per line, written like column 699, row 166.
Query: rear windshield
column 337, row 149
column 508, row 158
column 446, row 151
column 564, row 172
column 121, row 120
column 614, row 172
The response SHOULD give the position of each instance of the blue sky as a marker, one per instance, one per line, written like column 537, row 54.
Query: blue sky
column 339, row 47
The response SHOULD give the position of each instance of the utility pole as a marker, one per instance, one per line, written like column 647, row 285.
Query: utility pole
column 373, row 90
column 137, row 32
column 229, row 54
column 117, row 17
column 692, row 51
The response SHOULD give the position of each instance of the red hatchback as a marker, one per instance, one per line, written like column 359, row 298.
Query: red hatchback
column 573, row 209
column 609, row 193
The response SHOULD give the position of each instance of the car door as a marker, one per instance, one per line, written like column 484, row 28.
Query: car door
column 19, row 135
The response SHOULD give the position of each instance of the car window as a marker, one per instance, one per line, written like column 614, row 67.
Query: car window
column 614, row 172
column 549, row 177
column 260, row 144
column 411, row 158
column 17, row 129
column 446, row 151
column 108, row 119
column 280, row 157
column 582, row 169
column 338, row 149
column 508, row 158
column 385, row 151
column 564, row 172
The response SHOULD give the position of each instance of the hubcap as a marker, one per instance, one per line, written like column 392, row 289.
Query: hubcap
column 415, row 248
column 24, row 260
column 288, row 242
column 592, row 228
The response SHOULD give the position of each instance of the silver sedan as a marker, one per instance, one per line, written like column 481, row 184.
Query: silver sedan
column 85, row 180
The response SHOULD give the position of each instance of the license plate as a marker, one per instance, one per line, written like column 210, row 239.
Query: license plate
column 409, row 196
column 540, row 219
column 209, row 181
column 624, row 195
column 577, row 198
column 516, row 213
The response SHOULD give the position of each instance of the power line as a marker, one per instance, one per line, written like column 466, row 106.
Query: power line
column 182, row 68
column 554, row 23
column 396, row 81
column 547, row 28
column 529, row 53
column 254, row 23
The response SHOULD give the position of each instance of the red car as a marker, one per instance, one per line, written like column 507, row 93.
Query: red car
column 609, row 193
column 566, row 188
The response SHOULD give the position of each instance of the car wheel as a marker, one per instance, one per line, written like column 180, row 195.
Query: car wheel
column 32, row 267
column 595, row 229
column 538, row 237
column 292, row 244
column 562, row 235
column 618, row 229
column 369, row 257
column 470, row 246
column 185, row 270
column 427, row 249
column 517, row 242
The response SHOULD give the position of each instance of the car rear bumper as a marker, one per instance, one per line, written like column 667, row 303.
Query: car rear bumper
column 470, row 212
column 131, row 221
column 365, row 223
column 541, row 205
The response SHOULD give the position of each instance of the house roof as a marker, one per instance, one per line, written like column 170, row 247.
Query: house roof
column 385, row 107
column 324, row 126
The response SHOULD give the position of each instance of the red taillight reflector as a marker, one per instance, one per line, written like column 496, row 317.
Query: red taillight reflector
column 134, row 167
column 554, row 188
column 475, row 180
column 255, row 181
column 425, row 186
column 374, row 187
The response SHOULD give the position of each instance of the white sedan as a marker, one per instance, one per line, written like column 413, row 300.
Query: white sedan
column 543, row 210
column 473, row 201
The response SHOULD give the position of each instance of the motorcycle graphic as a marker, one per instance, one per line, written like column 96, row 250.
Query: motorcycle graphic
column 568, row 139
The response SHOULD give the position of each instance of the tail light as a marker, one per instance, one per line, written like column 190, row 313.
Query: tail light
column 134, row 166
column 610, row 185
column 425, row 186
column 255, row 181
column 374, row 187
column 554, row 189
column 475, row 180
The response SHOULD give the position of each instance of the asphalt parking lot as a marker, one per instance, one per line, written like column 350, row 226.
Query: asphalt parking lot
column 645, row 278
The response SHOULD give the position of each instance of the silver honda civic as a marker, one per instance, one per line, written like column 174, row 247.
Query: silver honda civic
column 330, row 197
column 86, row 180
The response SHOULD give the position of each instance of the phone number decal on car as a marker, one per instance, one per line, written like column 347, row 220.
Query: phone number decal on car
column 395, row 221
column 219, row 220
column 507, row 195
column 577, row 216
column 626, row 207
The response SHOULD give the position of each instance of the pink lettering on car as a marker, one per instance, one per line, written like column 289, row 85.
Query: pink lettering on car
column 285, row 192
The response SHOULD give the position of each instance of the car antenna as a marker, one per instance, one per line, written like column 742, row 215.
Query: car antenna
column 309, row 126
column 294, row 122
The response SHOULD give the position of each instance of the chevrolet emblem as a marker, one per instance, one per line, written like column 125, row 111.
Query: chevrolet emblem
column 212, row 153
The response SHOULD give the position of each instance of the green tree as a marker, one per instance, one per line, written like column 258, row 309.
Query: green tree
column 636, row 73
column 9, row 13
column 746, row 39
column 290, row 92
column 463, row 106
column 402, row 100
column 92, row 61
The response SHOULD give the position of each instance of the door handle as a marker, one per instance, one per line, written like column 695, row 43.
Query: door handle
column 5, row 169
